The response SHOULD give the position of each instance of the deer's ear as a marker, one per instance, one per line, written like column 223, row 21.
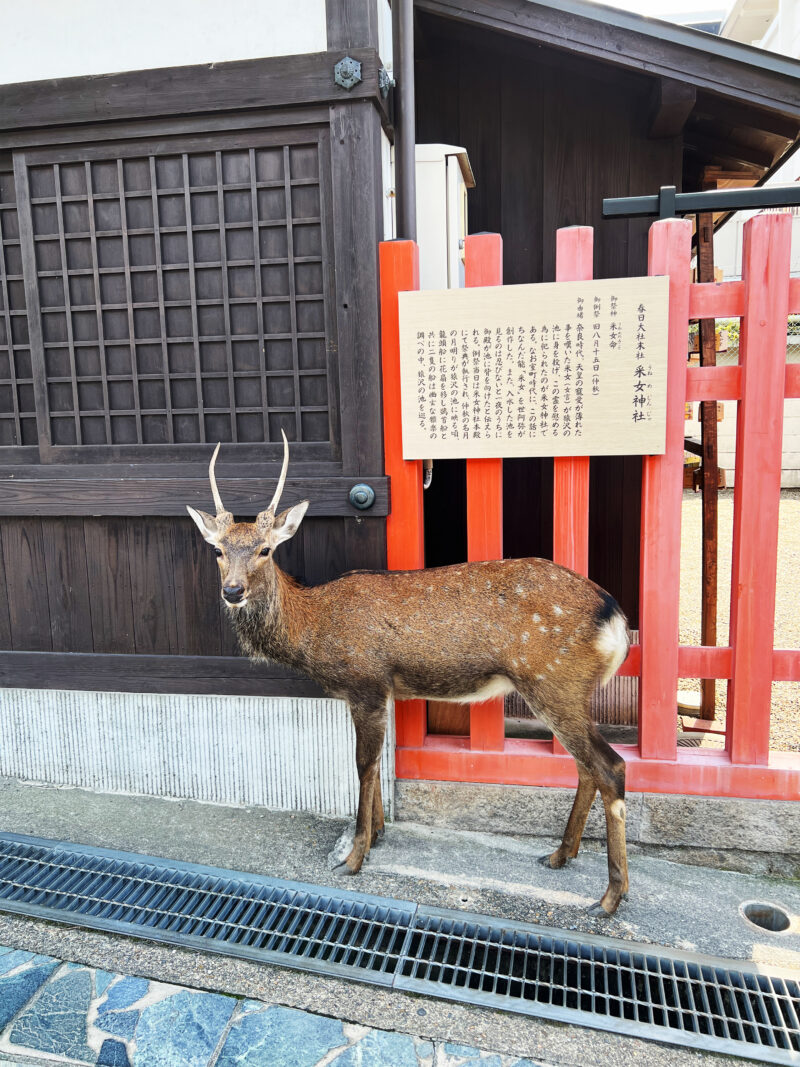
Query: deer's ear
column 206, row 524
column 287, row 523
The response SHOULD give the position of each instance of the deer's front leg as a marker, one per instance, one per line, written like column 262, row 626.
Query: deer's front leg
column 369, row 719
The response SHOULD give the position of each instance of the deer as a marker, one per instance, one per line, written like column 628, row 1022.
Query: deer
column 463, row 633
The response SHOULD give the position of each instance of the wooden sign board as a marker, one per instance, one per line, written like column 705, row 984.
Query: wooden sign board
column 556, row 369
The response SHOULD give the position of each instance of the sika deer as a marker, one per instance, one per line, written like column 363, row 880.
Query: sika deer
column 462, row 633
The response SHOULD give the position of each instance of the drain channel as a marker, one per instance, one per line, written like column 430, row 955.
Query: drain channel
column 637, row 989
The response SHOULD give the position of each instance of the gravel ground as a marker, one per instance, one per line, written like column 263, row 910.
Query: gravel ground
column 785, row 727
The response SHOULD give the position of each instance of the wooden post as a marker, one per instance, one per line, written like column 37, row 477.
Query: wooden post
column 756, row 499
column 405, row 544
column 574, row 263
column 662, row 491
column 483, row 265
column 710, row 466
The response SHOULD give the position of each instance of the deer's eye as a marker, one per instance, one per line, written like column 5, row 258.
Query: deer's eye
column 264, row 552
column 218, row 551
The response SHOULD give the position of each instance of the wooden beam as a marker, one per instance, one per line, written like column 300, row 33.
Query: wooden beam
column 251, row 83
column 227, row 675
column 673, row 102
column 169, row 496
column 728, row 151
column 734, row 113
column 625, row 40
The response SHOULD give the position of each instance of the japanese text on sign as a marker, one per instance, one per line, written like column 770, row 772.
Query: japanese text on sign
column 561, row 369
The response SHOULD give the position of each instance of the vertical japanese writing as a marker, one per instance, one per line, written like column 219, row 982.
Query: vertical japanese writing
column 442, row 386
column 451, row 371
column 488, row 377
column 596, row 308
column 555, row 371
column 532, row 365
column 509, row 387
column 422, row 417
column 497, row 393
column 466, row 360
column 556, row 386
column 643, row 372
column 567, row 415
column 544, row 381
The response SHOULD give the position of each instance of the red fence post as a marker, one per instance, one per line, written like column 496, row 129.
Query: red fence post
column 756, row 498
column 405, row 544
column 574, row 263
column 483, row 265
column 662, row 489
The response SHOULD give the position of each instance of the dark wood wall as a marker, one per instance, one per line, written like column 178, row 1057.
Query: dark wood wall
column 548, row 135
column 167, row 281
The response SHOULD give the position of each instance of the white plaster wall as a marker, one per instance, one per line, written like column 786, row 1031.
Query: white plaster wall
column 726, row 440
column 63, row 38
column 281, row 753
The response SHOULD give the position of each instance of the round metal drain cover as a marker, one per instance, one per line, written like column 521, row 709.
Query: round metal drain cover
column 765, row 916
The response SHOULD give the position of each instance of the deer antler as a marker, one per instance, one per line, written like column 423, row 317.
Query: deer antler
column 273, row 507
column 215, row 492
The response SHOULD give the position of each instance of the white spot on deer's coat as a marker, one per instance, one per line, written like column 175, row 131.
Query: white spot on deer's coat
column 519, row 590
column 563, row 651
column 557, row 660
column 525, row 637
column 543, row 629
column 539, row 677
column 557, row 610
column 537, row 617
column 550, row 667
column 515, row 663
column 488, row 584
column 556, row 629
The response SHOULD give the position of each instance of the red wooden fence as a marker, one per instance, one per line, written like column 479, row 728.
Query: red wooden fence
column 746, row 768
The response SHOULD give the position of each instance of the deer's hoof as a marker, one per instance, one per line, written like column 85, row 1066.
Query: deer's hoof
column 599, row 911
column 343, row 869
column 547, row 861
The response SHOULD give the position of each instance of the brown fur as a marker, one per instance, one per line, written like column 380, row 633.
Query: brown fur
column 445, row 633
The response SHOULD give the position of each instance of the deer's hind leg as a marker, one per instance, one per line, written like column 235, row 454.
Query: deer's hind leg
column 369, row 717
column 599, row 768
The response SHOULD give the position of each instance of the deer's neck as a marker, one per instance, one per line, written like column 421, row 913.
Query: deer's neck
column 272, row 625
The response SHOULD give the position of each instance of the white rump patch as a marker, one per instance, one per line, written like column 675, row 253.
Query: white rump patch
column 612, row 644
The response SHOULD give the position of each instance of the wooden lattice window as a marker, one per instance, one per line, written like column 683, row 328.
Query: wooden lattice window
column 177, row 296
column 17, row 404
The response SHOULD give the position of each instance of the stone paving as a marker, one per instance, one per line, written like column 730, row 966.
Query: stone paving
column 65, row 1013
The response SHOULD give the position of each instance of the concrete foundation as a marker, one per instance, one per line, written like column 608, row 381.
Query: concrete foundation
column 742, row 834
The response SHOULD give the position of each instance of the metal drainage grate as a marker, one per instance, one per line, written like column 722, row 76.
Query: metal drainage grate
column 682, row 998
column 676, row 997
column 214, row 910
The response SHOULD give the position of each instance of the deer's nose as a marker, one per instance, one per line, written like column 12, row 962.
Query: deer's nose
column 233, row 593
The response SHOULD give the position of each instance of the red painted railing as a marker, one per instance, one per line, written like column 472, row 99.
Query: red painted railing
column 761, row 381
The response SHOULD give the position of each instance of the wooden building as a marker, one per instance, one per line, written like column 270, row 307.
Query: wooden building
column 559, row 105
column 189, row 254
